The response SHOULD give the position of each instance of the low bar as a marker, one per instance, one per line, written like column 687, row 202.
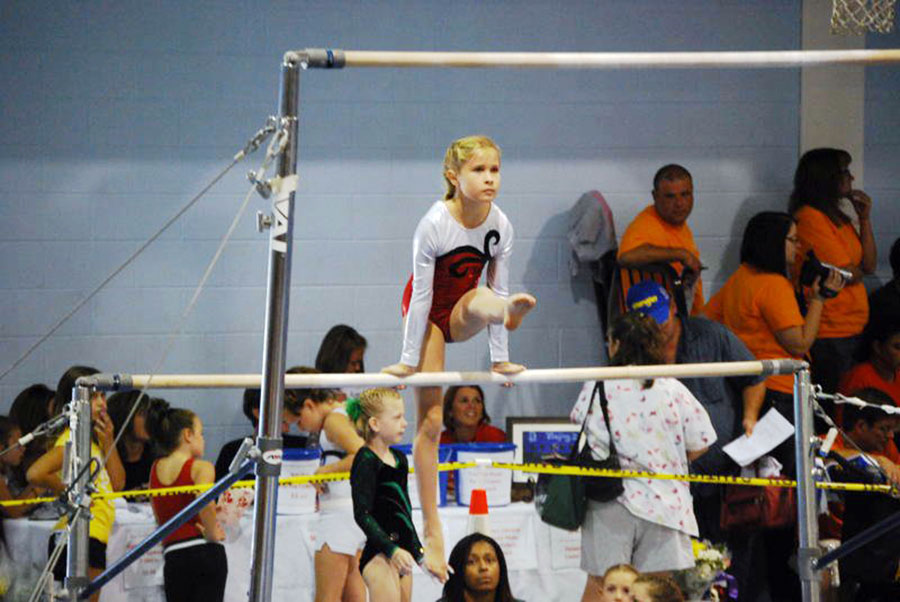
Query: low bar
column 433, row 379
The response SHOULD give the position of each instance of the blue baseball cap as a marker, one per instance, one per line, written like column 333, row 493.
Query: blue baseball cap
column 650, row 298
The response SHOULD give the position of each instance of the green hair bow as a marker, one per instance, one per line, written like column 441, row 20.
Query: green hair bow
column 353, row 408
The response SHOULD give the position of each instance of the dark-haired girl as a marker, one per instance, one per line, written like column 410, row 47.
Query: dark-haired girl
column 135, row 448
column 47, row 472
column 9, row 464
column 479, row 572
column 195, row 566
column 821, row 183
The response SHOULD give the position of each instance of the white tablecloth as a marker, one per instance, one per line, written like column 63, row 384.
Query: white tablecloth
column 543, row 562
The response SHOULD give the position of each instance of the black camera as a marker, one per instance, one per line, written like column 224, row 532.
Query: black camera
column 812, row 268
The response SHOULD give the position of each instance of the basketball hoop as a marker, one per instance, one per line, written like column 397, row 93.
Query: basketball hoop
column 856, row 17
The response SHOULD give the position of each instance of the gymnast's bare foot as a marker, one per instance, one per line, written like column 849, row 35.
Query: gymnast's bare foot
column 507, row 368
column 516, row 307
column 399, row 369
column 434, row 561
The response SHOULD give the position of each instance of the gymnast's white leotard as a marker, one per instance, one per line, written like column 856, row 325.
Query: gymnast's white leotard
column 448, row 259
column 335, row 525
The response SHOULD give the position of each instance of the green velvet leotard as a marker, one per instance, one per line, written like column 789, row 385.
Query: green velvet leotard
column 381, row 506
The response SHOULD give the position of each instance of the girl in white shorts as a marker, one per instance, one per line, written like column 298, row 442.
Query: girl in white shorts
column 338, row 538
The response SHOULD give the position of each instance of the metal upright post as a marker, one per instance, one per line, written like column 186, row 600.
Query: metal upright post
column 277, row 303
column 80, row 476
column 808, row 527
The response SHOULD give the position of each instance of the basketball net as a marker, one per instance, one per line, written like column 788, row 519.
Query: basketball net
column 856, row 17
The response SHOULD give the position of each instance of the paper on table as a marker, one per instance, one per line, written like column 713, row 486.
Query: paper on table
column 771, row 430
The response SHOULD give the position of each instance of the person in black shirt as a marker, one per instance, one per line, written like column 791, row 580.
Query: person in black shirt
column 135, row 447
column 251, row 411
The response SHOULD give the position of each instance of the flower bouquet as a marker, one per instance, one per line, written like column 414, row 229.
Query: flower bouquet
column 708, row 579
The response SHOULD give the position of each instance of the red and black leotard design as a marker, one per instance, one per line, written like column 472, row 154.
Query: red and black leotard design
column 448, row 260
column 455, row 274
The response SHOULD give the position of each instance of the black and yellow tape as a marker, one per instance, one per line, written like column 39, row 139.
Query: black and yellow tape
column 531, row 468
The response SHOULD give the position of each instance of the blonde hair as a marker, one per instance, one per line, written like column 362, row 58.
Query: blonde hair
column 369, row 404
column 461, row 151
column 621, row 568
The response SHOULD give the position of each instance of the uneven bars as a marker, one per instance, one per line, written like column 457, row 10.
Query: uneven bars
column 320, row 58
column 431, row 379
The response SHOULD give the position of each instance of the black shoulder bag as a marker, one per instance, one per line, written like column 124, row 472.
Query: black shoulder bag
column 561, row 500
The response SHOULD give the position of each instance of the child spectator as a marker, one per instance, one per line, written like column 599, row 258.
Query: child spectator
column 32, row 408
column 342, row 350
column 655, row 588
column 135, row 447
column 10, row 461
column 879, row 356
column 47, row 472
column 381, row 504
column 337, row 536
column 251, row 411
column 479, row 572
column 195, row 567
column 617, row 582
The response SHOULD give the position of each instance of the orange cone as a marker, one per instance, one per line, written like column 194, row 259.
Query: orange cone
column 478, row 513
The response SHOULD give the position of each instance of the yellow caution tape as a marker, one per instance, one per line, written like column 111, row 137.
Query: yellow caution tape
column 532, row 468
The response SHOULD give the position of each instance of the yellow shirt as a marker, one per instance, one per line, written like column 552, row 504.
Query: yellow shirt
column 103, row 514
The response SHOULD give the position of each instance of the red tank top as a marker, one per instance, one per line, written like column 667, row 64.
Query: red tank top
column 167, row 506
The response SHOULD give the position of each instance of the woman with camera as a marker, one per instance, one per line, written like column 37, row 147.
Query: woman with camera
column 821, row 183
column 759, row 305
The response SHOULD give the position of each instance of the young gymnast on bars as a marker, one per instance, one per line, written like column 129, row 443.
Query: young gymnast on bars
column 443, row 302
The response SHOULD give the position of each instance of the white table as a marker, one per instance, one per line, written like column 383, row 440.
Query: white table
column 543, row 562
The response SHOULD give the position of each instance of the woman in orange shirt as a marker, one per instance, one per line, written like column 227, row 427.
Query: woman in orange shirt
column 821, row 181
column 759, row 305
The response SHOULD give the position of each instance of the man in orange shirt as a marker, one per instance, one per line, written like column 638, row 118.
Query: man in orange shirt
column 660, row 234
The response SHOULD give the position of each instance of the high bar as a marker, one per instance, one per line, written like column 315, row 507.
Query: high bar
column 433, row 379
column 320, row 58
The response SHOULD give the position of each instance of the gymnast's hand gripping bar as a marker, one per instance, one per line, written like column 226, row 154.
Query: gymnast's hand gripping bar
column 431, row 379
column 328, row 58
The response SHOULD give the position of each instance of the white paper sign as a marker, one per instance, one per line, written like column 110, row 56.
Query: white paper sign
column 565, row 548
column 771, row 430
column 147, row 571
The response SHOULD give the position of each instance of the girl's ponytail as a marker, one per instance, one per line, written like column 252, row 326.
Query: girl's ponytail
column 165, row 423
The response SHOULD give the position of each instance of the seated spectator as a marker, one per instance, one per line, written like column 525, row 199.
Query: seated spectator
column 660, row 232
column 879, row 355
column 465, row 418
column 617, row 582
column 869, row 573
column 871, row 430
column 885, row 301
column 479, row 572
column 655, row 588
column 33, row 407
column 342, row 351
column 11, row 487
column 135, row 448
column 251, row 411
column 821, row 181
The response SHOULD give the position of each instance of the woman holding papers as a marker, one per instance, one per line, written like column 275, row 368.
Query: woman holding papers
column 759, row 304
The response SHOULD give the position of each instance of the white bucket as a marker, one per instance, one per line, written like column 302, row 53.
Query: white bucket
column 497, row 482
column 298, row 499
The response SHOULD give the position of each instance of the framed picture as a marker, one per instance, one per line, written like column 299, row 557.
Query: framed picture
column 540, row 439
